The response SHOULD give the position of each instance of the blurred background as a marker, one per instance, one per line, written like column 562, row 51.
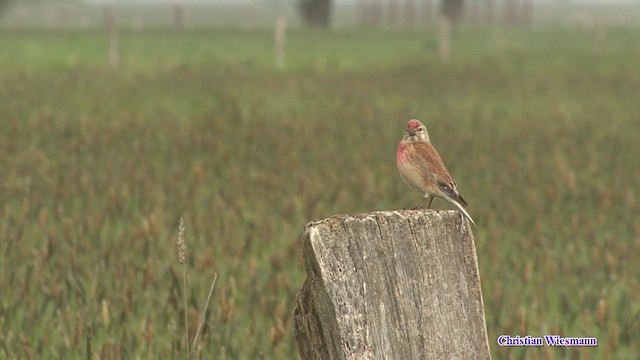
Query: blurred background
column 251, row 118
column 338, row 14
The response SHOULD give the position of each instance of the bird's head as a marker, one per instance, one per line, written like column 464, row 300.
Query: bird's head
column 416, row 132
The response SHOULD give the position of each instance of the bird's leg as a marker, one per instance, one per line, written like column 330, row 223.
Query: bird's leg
column 426, row 196
column 417, row 206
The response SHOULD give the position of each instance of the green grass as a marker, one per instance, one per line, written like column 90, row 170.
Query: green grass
column 539, row 130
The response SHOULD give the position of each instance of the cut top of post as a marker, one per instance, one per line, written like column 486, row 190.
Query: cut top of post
column 391, row 285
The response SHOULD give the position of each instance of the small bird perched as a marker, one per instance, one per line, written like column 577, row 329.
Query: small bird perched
column 421, row 167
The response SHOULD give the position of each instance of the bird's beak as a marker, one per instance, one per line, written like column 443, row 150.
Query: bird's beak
column 411, row 132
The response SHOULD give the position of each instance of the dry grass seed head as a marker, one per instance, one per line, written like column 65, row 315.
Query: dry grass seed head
column 182, row 245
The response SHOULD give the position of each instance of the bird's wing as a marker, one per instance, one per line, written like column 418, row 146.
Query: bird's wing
column 428, row 155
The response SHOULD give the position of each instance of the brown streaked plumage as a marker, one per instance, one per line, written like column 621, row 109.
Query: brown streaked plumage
column 421, row 167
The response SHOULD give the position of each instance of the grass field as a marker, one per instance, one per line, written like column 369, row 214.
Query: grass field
column 539, row 130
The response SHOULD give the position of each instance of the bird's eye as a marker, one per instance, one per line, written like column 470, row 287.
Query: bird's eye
column 419, row 129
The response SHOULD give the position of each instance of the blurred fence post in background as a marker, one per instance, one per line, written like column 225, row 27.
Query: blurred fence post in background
column 510, row 12
column 249, row 16
column 84, row 22
column 427, row 12
column 179, row 15
column 363, row 12
column 444, row 33
column 64, row 14
column 111, row 25
column 376, row 12
column 527, row 12
column 489, row 12
column 279, row 35
column 392, row 13
column 391, row 285
column 600, row 32
column 410, row 13
column 137, row 24
column 471, row 12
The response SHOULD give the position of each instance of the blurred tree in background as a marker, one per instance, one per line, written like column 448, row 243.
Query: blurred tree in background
column 316, row 13
column 452, row 9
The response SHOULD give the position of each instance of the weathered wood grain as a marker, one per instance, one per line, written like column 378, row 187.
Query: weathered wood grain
column 391, row 285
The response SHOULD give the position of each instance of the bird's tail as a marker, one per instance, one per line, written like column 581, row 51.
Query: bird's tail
column 459, row 206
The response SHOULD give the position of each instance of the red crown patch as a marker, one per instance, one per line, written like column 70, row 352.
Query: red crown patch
column 413, row 124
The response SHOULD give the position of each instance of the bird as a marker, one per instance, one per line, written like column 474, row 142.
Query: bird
column 421, row 167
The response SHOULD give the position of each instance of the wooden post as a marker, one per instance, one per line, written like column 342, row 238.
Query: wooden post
column 409, row 13
column 250, row 18
column 510, row 12
column 49, row 17
column 392, row 13
column 472, row 13
column 527, row 12
column 64, row 16
column 84, row 22
column 427, row 12
column 444, row 33
column 279, row 41
column 112, row 31
column 391, row 285
column 137, row 24
column 179, row 15
column 376, row 12
column 600, row 32
column 489, row 12
column 365, row 12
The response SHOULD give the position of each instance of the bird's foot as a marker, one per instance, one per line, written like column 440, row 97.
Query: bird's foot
column 430, row 201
